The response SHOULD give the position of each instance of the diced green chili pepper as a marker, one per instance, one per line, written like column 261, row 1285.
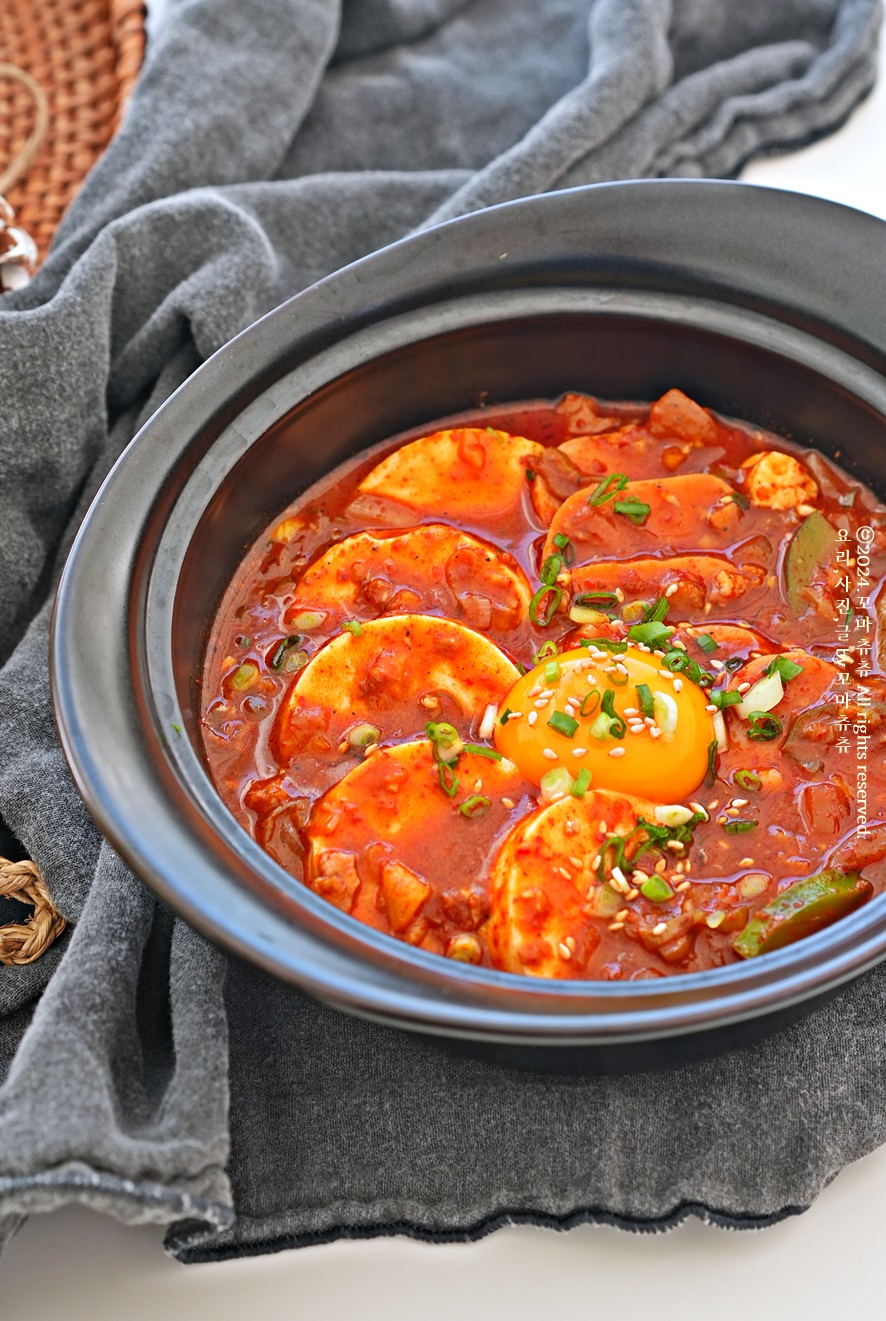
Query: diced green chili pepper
column 810, row 547
column 552, row 672
column 582, row 781
column 281, row 649
column 448, row 777
column 801, row 910
column 707, row 643
column 595, row 599
column 764, row 726
column 739, row 826
column 552, row 566
column 565, row 546
column 747, row 780
column 545, row 650
column 542, row 618
column 594, row 698
column 646, row 700
column 657, row 612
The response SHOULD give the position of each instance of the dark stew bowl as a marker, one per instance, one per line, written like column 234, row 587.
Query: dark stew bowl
column 760, row 304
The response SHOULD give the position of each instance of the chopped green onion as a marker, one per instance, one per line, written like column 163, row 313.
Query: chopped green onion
column 178, row 729
column 595, row 599
column 712, row 760
column 308, row 619
column 733, row 663
column 563, row 724
column 764, row 727
column 677, row 662
column 448, row 778
column 707, row 643
column 595, row 694
column 651, row 634
column 582, row 781
column 446, row 740
column 362, row 735
column 281, row 649
column 741, row 500
column 635, row 611
column 244, row 676
column 657, row 612
column 550, row 569
column 605, row 644
column 636, row 510
column 352, row 626
column 788, row 669
column 747, row 780
column 563, row 544
column 243, row 640
column 726, row 697
column 530, row 475
column 657, row 890
column 480, row 750
column 646, row 700
column 739, row 827
column 476, row 805
column 557, row 781
column 545, row 650
column 617, row 724
column 849, row 616
column 552, row 672
column 610, row 486
column 543, row 618
column 503, row 718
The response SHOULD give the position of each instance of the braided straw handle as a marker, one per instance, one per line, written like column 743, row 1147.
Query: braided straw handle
column 23, row 942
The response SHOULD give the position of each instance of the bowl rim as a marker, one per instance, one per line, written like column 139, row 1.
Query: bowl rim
column 113, row 723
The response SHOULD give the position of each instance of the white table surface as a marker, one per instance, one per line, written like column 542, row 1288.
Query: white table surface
column 79, row 1266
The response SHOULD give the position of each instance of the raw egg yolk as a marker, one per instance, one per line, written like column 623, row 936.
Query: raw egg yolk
column 623, row 717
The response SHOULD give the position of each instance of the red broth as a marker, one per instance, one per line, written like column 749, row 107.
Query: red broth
column 771, row 568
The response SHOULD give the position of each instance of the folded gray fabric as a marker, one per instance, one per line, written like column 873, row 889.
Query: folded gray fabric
column 267, row 145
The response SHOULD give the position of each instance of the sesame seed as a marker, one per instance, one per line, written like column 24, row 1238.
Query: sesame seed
column 514, row 715
column 638, row 728
column 595, row 861
column 675, row 845
column 649, row 720
column 622, row 914
column 617, row 752
column 684, row 885
column 713, row 804
column 743, row 687
column 370, row 749
column 721, row 820
column 549, row 753
column 619, row 595
column 740, row 802
column 746, row 862
column 478, row 785
column 621, row 667
column 532, row 717
column 563, row 872
column 579, row 752
column 541, row 703
column 616, row 926
column 565, row 951
column 678, row 685
column 710, row 707
column 631, row 711
column 659, row 928
column 681, row 646
column 638, row 876
column 570, row 941
column 621, row 886
column 716, row 664
column 603, row 828
column 658, row 652
column 714, row 919
column 660, row 865
column 632, row 893
column 546, row 692
column 508, row 803
column 655, row 732
column 697, row 807
column 674, row 587
column 576, row 862
column 687, row 867
column 732, row 811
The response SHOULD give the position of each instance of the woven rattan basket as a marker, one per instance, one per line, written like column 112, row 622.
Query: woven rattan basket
column 83, row 57
column 67, row 68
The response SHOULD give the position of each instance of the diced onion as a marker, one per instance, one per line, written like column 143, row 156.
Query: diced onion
column 762, row 696
column 720, row 731
column 584, row 614
column 487, row 724
column 666, row 714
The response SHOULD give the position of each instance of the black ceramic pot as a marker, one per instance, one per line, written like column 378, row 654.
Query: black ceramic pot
column 764, row 305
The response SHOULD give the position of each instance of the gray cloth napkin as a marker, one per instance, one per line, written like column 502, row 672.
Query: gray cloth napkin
column 143, row 1072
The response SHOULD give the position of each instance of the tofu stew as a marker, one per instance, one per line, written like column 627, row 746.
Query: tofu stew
column 569, row 689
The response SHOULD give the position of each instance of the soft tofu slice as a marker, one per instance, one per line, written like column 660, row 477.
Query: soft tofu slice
column 430, row 568
column 386, row 844
column 801, row 693
column 379, row 677
column 677, row 434
column 678, row 417
column 545, row 911
column 690, row 581
column 468, row 472
column 690, row 511
column 778, row 481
